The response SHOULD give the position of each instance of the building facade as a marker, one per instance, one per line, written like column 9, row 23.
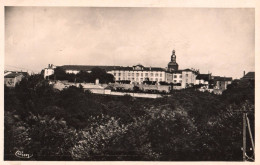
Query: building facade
column 138, row 74
column 221, row 83
column 48, row 71
column 12, row 79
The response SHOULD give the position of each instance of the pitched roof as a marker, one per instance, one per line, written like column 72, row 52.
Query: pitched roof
column 107, row 68
column 249, row 75
column 218, row 78
column 187, row 70
column 191, row 70
column 204, row 77
column 177, row 71
column 87, row 67
column 143, row 68
column 12, row 75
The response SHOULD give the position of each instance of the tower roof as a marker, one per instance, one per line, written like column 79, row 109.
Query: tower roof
column 171, row 63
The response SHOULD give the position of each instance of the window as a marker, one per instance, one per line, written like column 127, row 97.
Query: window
column 187, row 75
column 160, row 79
column 119, row 74
column 156, row 74
column 114, row 74
column 160, row 74
column 174, row 80
column 151, row 79
column 156, row 79
column 146, row 74
column 129, row 74
column 141, row 79
column 175, row 76
column 119, row 78
column 151, row 74
column 180, row 76
column 141, row 74
column 133, row 74
column 137, row 79
column 137, row 74
column 180, row 81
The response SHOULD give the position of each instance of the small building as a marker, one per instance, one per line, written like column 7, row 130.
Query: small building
column 222, row 82
column 48, row 71
column 246, row 81
column 188, row 78
column 249, row 76
column 203, row 80
column 12, row 79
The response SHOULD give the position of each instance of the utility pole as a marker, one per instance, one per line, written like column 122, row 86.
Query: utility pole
column 251, row 137
column 244, row 136
column 245, row 109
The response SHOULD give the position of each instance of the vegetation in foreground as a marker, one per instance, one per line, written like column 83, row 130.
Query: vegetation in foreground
column 77, row 125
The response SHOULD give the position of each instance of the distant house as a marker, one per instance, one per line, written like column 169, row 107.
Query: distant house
column 246, row 81
column 188, row 77
column 7, row 72
column 203, row 79
column 249, row 76
column 49, row 70
column 12, row 79
column 222, row 82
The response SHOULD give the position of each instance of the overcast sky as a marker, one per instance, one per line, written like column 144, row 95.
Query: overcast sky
column 220, row 41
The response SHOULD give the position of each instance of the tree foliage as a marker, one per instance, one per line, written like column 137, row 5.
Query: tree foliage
column 75, row 125
column 83, row 76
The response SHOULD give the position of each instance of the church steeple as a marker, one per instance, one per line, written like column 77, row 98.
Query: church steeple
column 173, row 56
column 172, row 65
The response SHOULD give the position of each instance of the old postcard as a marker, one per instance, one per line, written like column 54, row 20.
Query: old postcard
column 142, row 82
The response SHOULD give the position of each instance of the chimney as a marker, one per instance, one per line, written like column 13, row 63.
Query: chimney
column 244, row 73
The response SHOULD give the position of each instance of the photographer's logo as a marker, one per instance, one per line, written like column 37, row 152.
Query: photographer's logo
column 20, row 154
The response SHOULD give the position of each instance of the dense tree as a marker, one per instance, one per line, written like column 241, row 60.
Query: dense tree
column 83, row 76
column 74, row 124
column 59, row 74
column 41, row 136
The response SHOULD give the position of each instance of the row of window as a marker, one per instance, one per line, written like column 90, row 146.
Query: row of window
column 141, row 79
column 146, row 74
column 175, row 76
column 138, row 74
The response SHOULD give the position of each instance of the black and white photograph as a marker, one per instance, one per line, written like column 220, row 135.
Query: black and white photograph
column 129, row 84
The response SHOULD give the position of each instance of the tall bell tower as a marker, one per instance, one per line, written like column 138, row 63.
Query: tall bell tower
column 172, row 65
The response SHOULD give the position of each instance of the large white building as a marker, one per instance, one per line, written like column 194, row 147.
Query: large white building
column 138, row 73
